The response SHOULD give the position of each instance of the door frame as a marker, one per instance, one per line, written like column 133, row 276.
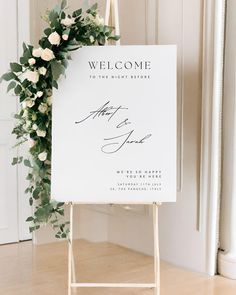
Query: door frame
column 23, row 32
column 211, row 128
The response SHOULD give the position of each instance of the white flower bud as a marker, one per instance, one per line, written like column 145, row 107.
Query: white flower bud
column 41, row 133
column 34, row 117
column 65, row 37
column 39, row 93
column 42, row 156
column 31, row 61
column 42, row 71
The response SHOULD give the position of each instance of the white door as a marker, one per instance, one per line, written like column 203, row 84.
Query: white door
column 14, row 207
column 8, row 173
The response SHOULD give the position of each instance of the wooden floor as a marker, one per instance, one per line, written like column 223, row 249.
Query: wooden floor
column 42, row 270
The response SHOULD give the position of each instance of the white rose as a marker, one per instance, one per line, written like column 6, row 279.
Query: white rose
column 30, row 103
column 42, row 71
column 39, row 93
column 31, row 61
column 34, row 117
column 49, row 100
column 54, row 38
column 32, row 76
column 67, row 21
column 37, row 52
column 65, row 37
column 99, row 21
column 42, row 156
column 47, row 54
column 31, row 142
column 41, row 133
column 91, row 38
column 43, row 108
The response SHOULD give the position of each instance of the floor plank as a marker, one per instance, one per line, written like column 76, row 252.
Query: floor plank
column 26, row 269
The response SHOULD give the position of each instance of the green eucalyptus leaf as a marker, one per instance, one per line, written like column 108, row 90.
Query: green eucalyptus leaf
column 64, row 62
column 93, row 8
column 77, row 13
column 23, row 60
column 15, row 67
column 31, row 229
column 57, row 9
column 63, row 4
column 54, row 84
column 7, row 76
column 29, row 219
column 29, row 176
column 36, row 193
column 31, row 201
column 63, row 15
column 27, row 163
column 115, row 38
column 60, row 204
column 57, row 69
column 27, row 190
column 18, row 89
column 11, row 86
column 24, row 46
column 53, row 18
column 47, row 31
column 14, row 161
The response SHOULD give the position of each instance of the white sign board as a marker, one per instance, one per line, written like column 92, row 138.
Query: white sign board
column 114, row 126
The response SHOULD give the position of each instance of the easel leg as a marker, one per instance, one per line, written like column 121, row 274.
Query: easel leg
column 70, row 248
column 73, row 267
column 156, row 249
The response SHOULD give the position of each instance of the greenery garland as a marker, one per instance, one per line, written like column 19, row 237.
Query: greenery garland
column 33, row 80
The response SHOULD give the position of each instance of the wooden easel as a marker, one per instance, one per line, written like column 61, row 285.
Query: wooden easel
column 71, row 265
column 112, row 18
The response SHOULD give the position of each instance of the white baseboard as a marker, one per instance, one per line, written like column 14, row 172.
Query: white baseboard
column 227, row 265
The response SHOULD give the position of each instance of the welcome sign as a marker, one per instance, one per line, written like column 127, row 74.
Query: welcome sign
column 114, row 126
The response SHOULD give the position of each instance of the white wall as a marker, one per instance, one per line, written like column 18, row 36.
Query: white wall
column 227, row 259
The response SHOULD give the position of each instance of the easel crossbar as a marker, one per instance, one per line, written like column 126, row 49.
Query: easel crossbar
column 112, row 285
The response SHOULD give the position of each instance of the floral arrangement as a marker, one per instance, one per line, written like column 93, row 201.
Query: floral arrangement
column 32, row 79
